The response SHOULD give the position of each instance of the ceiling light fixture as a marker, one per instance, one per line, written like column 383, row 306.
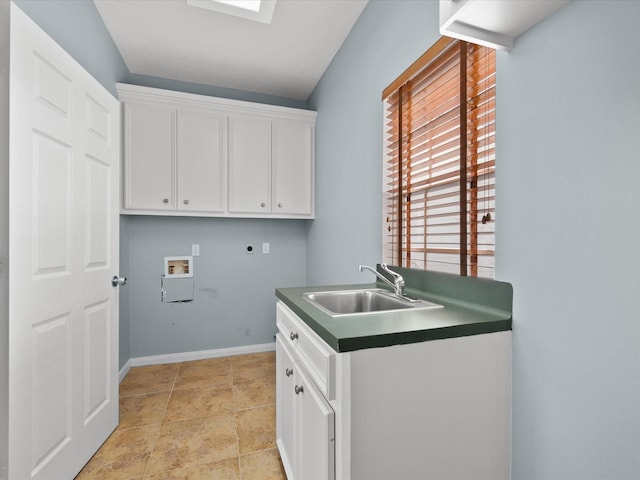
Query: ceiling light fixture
column 256, row 10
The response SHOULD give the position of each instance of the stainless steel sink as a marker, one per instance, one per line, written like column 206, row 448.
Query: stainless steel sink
column 357, row 302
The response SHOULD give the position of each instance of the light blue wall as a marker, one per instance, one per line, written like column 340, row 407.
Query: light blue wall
column 234, row 292
column 388, row 37
column 568, row 220
column 200, row 89
column 77, row 27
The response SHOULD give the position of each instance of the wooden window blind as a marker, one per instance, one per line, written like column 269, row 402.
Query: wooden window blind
column 440, row 162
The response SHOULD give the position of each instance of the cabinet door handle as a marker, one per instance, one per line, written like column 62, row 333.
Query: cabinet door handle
column 293, row 336
column 263, row 204
column 288, row 372
column 298, row 389
column 165, row 200
column 280, row 205
column 186, row 202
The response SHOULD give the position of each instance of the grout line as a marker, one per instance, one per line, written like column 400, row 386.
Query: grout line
column 164, row 413
column 235, row 418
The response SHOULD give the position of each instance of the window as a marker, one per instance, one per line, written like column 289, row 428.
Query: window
column 440, row 162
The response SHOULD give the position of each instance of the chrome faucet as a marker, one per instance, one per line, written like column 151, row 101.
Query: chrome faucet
column 398, row 281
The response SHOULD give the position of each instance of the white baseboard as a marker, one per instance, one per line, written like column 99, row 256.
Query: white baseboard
column 124, row 370
column 189, row 356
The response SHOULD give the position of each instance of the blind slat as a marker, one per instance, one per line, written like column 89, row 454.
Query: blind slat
column 422, row 228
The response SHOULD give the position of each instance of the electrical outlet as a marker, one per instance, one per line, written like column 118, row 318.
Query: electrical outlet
column 265, row 248
column 195, row 250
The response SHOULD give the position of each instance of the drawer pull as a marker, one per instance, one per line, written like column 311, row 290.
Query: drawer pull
column 299, row 389
column 293, row 336
column 288, row 372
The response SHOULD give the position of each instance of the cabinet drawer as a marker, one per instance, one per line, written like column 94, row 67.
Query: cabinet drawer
column 317, row 356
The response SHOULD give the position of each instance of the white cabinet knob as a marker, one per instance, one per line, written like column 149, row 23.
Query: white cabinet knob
column 186, row 202
column 280, row 205
column 165, row 200
column 263, row 204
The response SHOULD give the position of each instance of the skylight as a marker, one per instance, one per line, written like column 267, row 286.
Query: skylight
column 256, row 10
column 252, row 5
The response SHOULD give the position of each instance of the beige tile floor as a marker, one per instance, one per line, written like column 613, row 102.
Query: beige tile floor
column 209, row 419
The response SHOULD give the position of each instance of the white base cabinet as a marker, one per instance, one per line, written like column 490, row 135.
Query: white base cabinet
column 429, row 410
column 304, row 420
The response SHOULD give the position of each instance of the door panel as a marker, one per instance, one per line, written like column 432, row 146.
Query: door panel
column 249, row 165
column 51, row 382
column 201, row 161
column 97, row 379
column 292, row 167
column 149, row 148
column 284, row 405
column 316, row 433
column 63, row 239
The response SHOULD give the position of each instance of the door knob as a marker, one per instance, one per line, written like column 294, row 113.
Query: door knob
column 117, row 281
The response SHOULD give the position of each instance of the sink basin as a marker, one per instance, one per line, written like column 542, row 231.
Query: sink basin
column 357, row 302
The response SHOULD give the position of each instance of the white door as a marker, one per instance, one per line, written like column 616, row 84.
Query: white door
column 63, row 311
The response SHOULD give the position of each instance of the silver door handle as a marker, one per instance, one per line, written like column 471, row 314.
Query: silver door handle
column 117, row 281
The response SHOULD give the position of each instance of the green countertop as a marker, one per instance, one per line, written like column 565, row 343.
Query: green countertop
column 470, row 307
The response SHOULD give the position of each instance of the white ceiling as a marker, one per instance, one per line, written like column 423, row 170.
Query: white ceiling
column 171, row 39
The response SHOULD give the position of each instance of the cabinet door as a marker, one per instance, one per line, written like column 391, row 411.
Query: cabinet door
column 292, row 165
column 201, row 161
column 284, row 405
column 315, row 427
column 149, row 157
column 249, row 164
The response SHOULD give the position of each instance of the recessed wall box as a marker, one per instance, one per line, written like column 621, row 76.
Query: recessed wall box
column 178, row 267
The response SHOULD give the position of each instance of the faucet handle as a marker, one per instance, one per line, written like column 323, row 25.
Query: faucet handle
column 397, row 277
column 398, row 281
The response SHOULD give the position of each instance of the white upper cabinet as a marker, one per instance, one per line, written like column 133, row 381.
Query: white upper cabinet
column 201, row 162
column 271, row 166
column 292, row 167
column 493, row 23
column 149, row 173
column 249, row 164
column 195, row 155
